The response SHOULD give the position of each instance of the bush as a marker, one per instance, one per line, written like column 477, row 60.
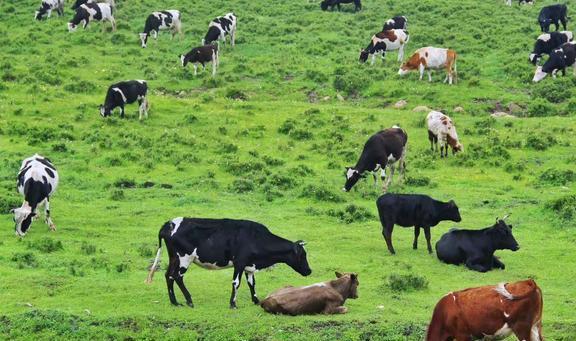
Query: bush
column 351, row 214
column 565, row 207
column 351, row 82
column 540, row 142
column 46, row 245
column 25, row 260
column 242, row 186
column 408, row 282
column 88, row 249
column 320, row 194
column 418, row 181
column 558, row 177
column 124, row 183
column 7, row 203
column 117, row 195
column 80, row 87
column 556, row 92
column 236, row 94
column 541, row 108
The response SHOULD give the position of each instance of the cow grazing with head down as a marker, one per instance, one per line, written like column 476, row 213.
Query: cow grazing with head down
column 37, row 181
column 92, row 11
column 442, row 129
column 427, row 58
column 559, row 60
column 46, row 8
column 202, row 55
column 548, row 42
column 552, row 15
column 396, row 23
column 220, row 27
column 383, row 42
column 79, row 3
column 475, row 248
column 159, row 21
column 489, row 313
column 416, row 210
column 382, row 150
column 123, row 93
column 336, row 3
column 216, row 244
column 320, row 298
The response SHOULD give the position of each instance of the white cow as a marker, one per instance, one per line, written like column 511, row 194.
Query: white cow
column 442, row 130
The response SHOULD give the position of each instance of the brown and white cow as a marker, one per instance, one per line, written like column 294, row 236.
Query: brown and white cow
column 441, row 130
column 320, row 298
column 383, row 42
column 427, row 58
column 490, row 313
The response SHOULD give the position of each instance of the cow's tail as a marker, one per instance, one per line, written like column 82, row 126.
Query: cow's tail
column 156, row 260
column 501, row 289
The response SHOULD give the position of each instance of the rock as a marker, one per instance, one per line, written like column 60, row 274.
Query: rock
column 326, row 98
column 514, row 108
column 312, row 97
column 340, row 98
column 421, row 108
column 499, row 114
column 400, row 104
column 458, row 109
column 498, row 107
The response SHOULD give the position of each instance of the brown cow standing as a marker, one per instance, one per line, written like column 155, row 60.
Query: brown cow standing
column 490, row 313
column 321, row 298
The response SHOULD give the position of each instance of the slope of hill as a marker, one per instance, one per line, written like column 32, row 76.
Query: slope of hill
column 268, row 140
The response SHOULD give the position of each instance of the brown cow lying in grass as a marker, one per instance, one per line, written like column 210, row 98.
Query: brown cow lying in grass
column 320, row 298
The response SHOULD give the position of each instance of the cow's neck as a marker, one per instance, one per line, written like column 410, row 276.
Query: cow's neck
column 342, row 286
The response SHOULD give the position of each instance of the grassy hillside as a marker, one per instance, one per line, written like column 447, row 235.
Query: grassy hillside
column 268, row 140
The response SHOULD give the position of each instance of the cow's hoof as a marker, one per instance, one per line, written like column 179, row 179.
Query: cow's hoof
column 176, row 304
column 233, row 306
column 255, row 300
column 190, row 304
column 415, row 247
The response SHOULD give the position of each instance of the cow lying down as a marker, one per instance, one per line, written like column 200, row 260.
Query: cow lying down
column 320, row 298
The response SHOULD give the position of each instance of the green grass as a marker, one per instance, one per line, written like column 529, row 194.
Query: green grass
column 274, row 158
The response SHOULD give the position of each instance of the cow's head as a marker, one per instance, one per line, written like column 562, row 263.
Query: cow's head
column 183, row 60
column 404, row 69
column 72, row 27
column 363, row 56
column 502, row 236
column 534, row 58
column 352, row 177
column 22, row 219
column 143, row 39
column 451, row 211
column 297, row 259
column 352, row 279
column 539, row 74
column 324, row 5
column 105, row 111
column 545, row 24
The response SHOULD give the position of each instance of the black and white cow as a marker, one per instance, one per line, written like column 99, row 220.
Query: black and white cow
column 416, row 210
column 383, row 42
column 202, row 55
column 37, row 181
column 220, row 27
column 79, row 3
column 123, row 93
column 396, row 23
column 216, row 244
column 551, row 15
column 46, row 8
column 159, row 21
column 547, row 42
column 92, row 11
column 475, row 248
column 520, row 2
column 381, row 150
column 559, row 60
column 331, row 3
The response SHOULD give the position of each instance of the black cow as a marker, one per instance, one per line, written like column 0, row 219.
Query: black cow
column 201, row 55
column 214, row 244
column 158, row 21
column 559, row 60
column 416, row 210
column 547, row 42
column 331, row 3
column 37, row 181
column 219, row 28
column 382, row 149
column 476, row 248
column 551, row 15
column 123, row 93
column 398, row 22
column 92, row 11
column 46, row 8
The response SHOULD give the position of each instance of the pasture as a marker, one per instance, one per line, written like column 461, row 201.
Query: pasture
column 268, row 139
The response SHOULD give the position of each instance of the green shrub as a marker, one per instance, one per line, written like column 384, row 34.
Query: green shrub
column 555, row 176
column 124, row 183
column 410, row 282
column 25, row 260
column 320, row 193
column 88, row 249
column 242, row 186
column 236, row 94
column 80, row 87
column 555, row 92
column 8, row 202
column 565, row 207
column 351, row 214
column 351, row 82
column 46, row 245
column 418, row 181
column 117, row 195
column 541, row 108
column 540, row 142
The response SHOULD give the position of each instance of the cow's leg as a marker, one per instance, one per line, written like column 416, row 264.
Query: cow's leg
column 401, row 53
column 476, row 265
column 427, row 235
column 233, row 37
column 523, row 331
column 122, row 111
column 214, row 63
column 375, row 176
column 47, row 213
column 430, row 75
column 171, row 273
column 252, row 285
column 185, row 292
column 421, row 69
column 387, row 233
column 557, row 25
column 497, row 263
column 195, row 68
column 373, row 58
column 382, row 174
column 334, row 308
column 49, row 12
column 235, row 285
column 113, row 22
column 416, row 235
column 389, row 179
column 563, row 20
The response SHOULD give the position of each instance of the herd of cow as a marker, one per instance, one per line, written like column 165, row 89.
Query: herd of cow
column 486, row 312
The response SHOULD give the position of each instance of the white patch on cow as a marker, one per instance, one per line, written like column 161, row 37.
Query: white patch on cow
column 350, row 173
column 500, row 334
column 534, row 334
column 320, row 285
column 544, row 37
column 506, row 315
column 141, row 81
column 250, row 278
column 176, row 222
column 121, row 94
column 251, row 268
column 501, row 289
column 391, row 158
column 185, row 260
column 182, row 58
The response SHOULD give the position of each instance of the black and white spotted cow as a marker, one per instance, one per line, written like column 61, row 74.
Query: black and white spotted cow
column 220, row 27
column 383, row 42
column 336, row 3
column 551, row 15
column 547, row 42
column 46, row 8
column 160, row 21
column 37, row 181
column 202, row 55
column 559, row 60
column 396, row 23
column 78, row 3
column 216, row 244
column 92, row 11
column 123, row 93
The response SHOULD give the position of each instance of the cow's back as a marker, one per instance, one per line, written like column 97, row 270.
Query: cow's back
column 448, row 248
column 301, row 300
column 405, row 209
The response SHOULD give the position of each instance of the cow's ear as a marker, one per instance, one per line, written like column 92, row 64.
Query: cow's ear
column 452, row 203
column 510, row 226
column 338, row 274
column 354, row 276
